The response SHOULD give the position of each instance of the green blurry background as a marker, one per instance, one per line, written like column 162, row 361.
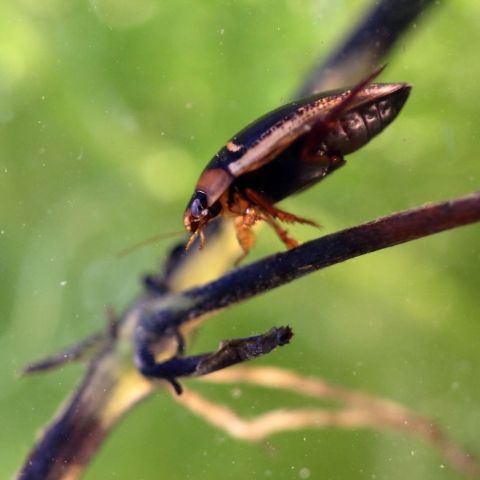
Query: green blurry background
column 109, row 110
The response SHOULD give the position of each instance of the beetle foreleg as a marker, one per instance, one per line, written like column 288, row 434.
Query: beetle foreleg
column 202, row 240
column 192, row 238
column 199, row 233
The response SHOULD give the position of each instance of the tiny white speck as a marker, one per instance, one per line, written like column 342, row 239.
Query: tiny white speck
column 189, row 105
column 2, row 232
column 43, row 97
column 63, row 283
column 442, row 465
column 304, row 473
column 236, row 392
column 412, row 453
column 6, row 170
column 222, row 31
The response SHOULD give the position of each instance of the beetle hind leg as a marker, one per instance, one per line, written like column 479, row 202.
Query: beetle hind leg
column 283, row 235
column 287, row 217
column 275, row 212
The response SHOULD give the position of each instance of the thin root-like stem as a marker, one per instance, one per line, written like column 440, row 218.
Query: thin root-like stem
column 362, row 411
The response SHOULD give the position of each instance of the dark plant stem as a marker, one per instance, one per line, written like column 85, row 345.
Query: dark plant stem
column 366, row 46
column 285, row 267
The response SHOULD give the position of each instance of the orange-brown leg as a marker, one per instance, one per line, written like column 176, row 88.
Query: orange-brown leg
column 288, row 241
column 192, row 238
column 199, row 233
column 245, row 235
column 275, row 212
column 202, row 240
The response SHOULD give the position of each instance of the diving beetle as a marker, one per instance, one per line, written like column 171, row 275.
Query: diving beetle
column 286, row 151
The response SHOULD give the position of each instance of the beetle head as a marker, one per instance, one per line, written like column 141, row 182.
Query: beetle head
column 198, row 213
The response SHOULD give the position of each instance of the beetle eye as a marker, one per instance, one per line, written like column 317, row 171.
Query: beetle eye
column 198, row 209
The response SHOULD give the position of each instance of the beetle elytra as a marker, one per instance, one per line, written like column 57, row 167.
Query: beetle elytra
column 288, row 150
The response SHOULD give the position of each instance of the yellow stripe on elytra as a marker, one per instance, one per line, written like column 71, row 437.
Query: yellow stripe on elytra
column 284, row 133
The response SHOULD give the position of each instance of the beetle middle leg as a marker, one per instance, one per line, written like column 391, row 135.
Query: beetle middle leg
column 246, row 236
column 243, row 228
column 255, row 207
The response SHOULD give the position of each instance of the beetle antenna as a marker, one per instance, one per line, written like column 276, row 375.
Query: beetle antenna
column 148, row 241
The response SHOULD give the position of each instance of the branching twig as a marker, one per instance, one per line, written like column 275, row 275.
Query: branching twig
column 110, row 388
column 230, row 352
column 284, row 267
